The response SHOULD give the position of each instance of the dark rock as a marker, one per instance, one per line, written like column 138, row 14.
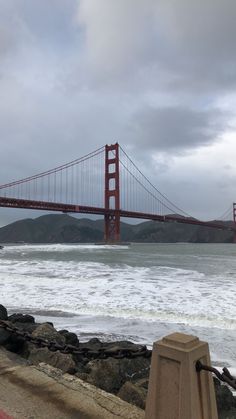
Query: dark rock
column 15, row 343
column 26, row 327
column 70, row 338
column 3, row 312
column 55, row 359
column 124, row 344
column 46, row 331
column 4, row 336
column 105, row 373
column 94, row 341
column 50, row 323
column 134, row 369
column 224, row 398
column 133, row 394
column 110, row 374
column 230, row 414
column 92, row 344
column 22, row 318
column 63, row 332
column 142, row 382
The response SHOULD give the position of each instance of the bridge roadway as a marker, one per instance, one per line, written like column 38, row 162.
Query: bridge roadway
column 71, row 208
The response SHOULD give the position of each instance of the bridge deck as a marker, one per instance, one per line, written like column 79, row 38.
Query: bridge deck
column 70, row 208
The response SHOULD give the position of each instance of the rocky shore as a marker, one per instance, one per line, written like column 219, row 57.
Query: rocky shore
column 120, row 367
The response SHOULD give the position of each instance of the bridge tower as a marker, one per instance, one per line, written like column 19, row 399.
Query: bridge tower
column 112, row 194
column 234, row 219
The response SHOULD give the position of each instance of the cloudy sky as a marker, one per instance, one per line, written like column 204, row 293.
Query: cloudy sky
column 158, row 76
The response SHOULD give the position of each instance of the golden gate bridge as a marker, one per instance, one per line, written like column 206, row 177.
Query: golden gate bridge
column 104, row 182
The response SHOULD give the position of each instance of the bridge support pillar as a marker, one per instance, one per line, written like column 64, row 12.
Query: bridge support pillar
column 234, row 219
column 112, row 194
column 176, row 390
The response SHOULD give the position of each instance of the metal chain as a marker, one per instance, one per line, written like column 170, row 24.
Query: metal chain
column 225, row 377
column 83, row 352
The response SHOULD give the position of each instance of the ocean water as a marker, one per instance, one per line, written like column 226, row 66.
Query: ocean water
column 139, row 292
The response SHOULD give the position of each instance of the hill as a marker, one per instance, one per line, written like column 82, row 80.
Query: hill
column 63, row 228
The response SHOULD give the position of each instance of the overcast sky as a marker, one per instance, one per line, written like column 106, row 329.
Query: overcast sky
column 158, row 76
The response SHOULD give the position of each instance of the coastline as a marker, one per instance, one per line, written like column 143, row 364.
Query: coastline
column 120, row 367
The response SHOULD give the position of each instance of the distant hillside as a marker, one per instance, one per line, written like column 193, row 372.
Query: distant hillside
column 63, row 228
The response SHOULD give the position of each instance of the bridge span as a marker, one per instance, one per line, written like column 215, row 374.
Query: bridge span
column 101, row 183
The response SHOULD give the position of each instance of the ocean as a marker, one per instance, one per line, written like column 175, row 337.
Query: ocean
column 138, row 292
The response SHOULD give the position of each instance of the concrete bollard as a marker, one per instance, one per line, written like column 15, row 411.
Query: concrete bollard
column 176, row 390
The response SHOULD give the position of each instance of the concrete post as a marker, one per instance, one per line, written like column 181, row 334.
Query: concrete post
column 176, row 390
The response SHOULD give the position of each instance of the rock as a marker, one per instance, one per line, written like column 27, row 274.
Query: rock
column 93, row 344
column 133, row 369
column 26, row 327
column 15, row 343
column 124, row 344
column 105, row 374
column 224, row 398
column 142, row 382
column 4, row 336
column 46, row 331
column 228, row 415
column 95, row 341
column 55, row 359
column 3, row 312
column 11, row 341
column 22, row 318
column 133, row 394
column 70, row 338
column 110, row 374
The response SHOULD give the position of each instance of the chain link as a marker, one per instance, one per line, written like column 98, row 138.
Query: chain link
column 79, row 351
column 225, row 377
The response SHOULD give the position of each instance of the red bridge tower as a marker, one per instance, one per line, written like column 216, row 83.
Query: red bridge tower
column 112, row 194
column 234, row 219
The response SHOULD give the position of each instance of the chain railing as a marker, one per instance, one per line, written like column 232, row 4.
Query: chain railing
column 79, row 350
column 82, row 351
column 225, row 377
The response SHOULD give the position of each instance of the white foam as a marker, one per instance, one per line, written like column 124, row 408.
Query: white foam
column 23, row 248
column 162, row 293
column 146, row 291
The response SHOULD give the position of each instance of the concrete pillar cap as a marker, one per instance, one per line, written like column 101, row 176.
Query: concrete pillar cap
column 180, row 340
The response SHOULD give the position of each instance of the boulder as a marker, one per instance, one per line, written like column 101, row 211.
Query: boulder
column 47, row 331
column 124, row 344
column 226, row 402
column 4, row 336
column 11, row 341
column 26, row 327
column 93, row 344
column 133, row 369
column 133, row 394
column 21, row 318
column 70, row 338
column 55, row 359
column 15, row 343
column 142, row 382
column 105, row 374
column 3, row 312
column 110, row 374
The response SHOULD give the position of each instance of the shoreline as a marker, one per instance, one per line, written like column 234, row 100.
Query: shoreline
column 118, row 367
column 141, row 332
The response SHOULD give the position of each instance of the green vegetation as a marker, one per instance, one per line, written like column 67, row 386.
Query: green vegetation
column 63, row 228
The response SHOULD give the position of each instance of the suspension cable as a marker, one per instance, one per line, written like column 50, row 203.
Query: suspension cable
column 56, row 169
column 157, row 190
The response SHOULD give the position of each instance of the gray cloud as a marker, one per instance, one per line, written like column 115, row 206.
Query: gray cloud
column 193, row 42
column 75, row 75
column 175, row 129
